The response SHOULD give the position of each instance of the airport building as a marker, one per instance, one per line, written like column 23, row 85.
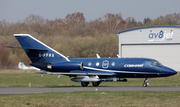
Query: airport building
column 161, row 42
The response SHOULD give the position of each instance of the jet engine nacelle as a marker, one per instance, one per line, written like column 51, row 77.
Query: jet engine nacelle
column 68, row 66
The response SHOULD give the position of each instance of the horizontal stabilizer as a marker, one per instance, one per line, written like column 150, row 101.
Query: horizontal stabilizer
column 29, row 48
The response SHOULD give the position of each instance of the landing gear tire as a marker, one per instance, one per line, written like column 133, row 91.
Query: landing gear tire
column 84, row 84
column 95, row 84
column 144, row 85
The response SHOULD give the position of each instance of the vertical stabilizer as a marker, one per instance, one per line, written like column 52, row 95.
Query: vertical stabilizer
column 38, row 51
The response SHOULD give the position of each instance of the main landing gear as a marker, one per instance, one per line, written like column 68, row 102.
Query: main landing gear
column 85, row 84
column 96, row 84
column 146, row 83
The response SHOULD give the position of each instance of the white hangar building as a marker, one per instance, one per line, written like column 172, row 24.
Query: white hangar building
column 161, row 42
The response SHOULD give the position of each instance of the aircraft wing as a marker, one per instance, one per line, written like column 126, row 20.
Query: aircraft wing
column 75, row 74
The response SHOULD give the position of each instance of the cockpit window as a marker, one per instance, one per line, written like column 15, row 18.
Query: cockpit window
column 156, row 63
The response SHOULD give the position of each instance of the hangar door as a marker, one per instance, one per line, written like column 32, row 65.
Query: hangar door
column 168, row 55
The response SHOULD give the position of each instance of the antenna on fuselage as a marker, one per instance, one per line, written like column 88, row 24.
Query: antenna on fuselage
column 98, row 56
column 118, row 56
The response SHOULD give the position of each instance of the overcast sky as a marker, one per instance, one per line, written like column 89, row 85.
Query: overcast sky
column 18, row 10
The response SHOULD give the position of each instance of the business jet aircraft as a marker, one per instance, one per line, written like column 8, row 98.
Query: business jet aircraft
column 85, row 70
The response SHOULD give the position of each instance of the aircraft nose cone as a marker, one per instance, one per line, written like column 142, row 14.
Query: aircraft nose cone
column 168, row 71
column 172, row 72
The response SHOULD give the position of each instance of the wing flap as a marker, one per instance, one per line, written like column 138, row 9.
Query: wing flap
column 75, row 74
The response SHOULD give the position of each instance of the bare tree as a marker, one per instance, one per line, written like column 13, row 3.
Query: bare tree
column 4, row 54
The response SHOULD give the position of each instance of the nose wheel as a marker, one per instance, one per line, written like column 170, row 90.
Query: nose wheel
column 146, row 83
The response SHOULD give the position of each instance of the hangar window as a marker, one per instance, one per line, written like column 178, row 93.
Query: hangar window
column 89, row 64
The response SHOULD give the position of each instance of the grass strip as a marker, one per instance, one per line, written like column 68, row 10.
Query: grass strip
column 99, row 98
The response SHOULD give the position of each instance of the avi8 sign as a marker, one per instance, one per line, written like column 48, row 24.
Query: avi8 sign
column 161, row 36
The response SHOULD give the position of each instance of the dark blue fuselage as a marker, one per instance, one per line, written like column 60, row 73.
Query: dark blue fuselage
column 119, row 67
column 125, row 67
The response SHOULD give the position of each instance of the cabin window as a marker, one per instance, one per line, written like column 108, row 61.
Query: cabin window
column 113, row 63
column 156, row 63
column 89, row 64
column 147, row 63
column 97, row 63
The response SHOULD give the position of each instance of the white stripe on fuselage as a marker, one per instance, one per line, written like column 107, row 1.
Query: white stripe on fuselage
column 96, row 69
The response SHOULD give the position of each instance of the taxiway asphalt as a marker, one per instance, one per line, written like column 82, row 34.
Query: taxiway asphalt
column 30, row 90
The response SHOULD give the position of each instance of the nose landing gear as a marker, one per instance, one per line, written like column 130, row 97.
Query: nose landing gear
column 146, row 83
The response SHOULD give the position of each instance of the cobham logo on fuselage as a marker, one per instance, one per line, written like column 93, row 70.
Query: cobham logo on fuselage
column 161, row 36
column 105, row 64
column 133, row 65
